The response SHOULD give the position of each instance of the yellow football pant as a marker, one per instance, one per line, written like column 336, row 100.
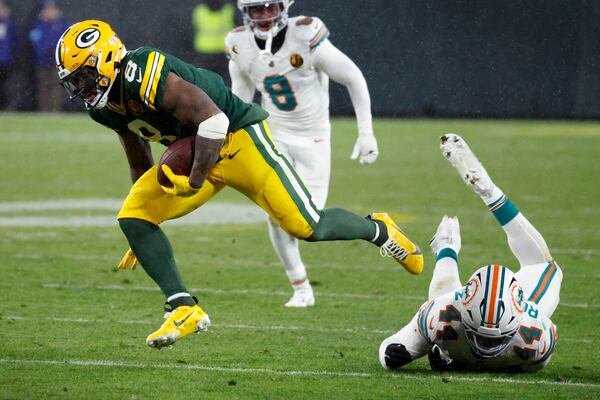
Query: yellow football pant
column 252, row 165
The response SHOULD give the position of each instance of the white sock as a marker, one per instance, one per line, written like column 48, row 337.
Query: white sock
column 494, row 195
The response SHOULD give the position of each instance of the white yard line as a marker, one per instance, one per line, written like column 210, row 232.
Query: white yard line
column 237, row 326
column 308, row 373
column 264, row 292
column 210, row 213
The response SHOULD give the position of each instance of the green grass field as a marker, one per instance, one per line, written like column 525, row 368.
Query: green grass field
column 73, row 326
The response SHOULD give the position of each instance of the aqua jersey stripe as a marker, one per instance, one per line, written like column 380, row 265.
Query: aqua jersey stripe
column 324, row 36
column 280, row 165
column 506, row 212
column 423, row 320
column 550, row 347
column 544, row 283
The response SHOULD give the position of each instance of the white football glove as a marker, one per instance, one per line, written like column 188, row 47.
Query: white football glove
column 447, row 235
column 365, row 149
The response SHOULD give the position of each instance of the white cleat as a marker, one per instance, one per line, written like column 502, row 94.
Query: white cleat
column 301, row 298
column 457, row 151
column 447, row 235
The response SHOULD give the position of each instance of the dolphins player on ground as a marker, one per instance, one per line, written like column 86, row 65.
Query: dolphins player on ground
column 499, row 320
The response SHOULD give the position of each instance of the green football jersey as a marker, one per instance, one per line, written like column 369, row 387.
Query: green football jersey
column 142, row 85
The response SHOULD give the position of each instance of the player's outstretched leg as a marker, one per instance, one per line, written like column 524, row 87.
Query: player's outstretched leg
column 286, row 247
column 378, row 228
column 154, row 252
column 397, row 244
column 526, row 243
column 540, row 276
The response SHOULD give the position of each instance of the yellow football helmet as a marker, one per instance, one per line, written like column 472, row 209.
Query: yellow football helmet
column 88, row 59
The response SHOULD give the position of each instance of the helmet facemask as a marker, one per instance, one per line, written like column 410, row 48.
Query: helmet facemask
column 487, row 342
column 87, row 84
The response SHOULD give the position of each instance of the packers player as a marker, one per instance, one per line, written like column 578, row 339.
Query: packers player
column 148, row 95
column 499, row 320
column 289, row 61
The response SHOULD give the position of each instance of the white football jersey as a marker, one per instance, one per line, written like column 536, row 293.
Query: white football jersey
column 439, row 322
column 295, row 94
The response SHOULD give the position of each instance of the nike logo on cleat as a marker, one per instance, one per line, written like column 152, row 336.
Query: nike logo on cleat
column 181, row 322
column 231, row 155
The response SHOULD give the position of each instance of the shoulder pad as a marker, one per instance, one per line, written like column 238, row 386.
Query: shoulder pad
column 310, row 30
column 233, row 40
column 535, row 339
column 438, row 316
column 304, row 21
column 139, row 52
column 235, row 32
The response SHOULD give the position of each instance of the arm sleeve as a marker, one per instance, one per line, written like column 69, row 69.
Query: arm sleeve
column 241, row 86
column 545, row 347
column 342, row 70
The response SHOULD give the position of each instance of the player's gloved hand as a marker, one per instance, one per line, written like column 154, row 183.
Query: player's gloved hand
column 447, row 235
column 365, row 149
column 181, row 184
column 129, row 260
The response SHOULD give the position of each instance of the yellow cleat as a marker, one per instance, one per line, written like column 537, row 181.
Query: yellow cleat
column 399, row 246
column 179, row 323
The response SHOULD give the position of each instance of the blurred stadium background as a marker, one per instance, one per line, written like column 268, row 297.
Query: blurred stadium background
column 536, row 58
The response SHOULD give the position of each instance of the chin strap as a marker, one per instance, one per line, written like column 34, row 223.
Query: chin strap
column 268, row 45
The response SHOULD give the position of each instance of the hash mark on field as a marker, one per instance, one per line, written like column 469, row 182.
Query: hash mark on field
column 240, row 326
column 268, row 371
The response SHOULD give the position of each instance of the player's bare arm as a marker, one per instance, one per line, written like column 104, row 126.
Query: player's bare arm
column 192, row 106
column 138, row 152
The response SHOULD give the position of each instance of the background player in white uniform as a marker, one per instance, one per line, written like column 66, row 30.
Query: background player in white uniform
column 499, row 320
column 290, row 61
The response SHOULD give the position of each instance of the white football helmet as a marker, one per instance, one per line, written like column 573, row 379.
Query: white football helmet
column 492, row 308
column 279, row 21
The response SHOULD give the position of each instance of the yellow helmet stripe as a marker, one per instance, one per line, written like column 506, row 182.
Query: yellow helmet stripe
column 151, row 78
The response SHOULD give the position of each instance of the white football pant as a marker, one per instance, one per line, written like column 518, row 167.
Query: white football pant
column 311, row 158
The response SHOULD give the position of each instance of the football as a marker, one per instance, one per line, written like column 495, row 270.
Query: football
column 179, row 156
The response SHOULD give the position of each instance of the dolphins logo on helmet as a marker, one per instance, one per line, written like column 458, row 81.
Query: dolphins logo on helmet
column 491, row 309
column 265, row 27
column 88, row 56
